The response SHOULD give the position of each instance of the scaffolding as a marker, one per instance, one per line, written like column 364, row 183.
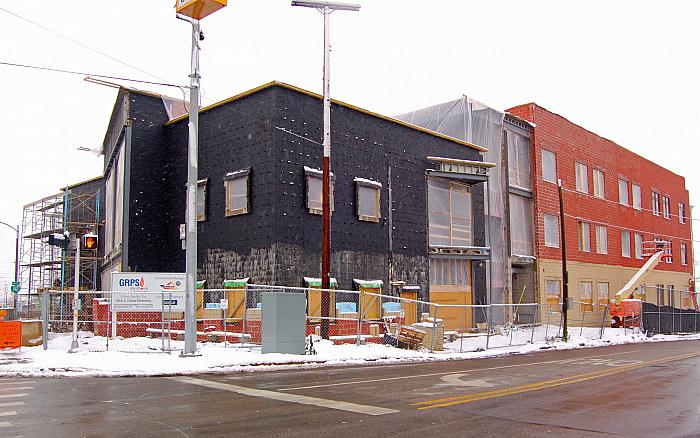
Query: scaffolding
column 75, row 210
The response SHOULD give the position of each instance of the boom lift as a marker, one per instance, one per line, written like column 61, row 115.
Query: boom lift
column 626, row 312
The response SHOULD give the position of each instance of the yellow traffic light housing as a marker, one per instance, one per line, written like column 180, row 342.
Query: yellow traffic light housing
column 198, row 9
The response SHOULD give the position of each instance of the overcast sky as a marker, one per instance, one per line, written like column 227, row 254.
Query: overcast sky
column 627, row 70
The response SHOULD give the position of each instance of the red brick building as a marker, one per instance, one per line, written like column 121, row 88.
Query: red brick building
column 614, row 201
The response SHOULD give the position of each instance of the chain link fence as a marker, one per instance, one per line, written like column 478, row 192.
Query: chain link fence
column 232, row 317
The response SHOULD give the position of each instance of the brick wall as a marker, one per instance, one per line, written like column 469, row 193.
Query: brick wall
column 572, row 143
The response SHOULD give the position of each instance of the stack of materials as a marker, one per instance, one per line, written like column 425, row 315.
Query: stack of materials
column 434, row 332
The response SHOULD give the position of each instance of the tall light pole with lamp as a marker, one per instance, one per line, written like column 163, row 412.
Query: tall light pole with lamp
column 326, row 8
column 192, row 11
column 15, row 284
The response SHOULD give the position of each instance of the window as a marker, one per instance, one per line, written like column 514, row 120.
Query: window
column 601, row 239
column 666, row 204
column 449, row 213
column 521, row 225
column 681, row 212
column 581, row 177
column 684, row 254
column 549, row 166
column 368, row 191
column 625, row 238
column 584, row 236
column 638, row 241
column 598, row 183
column 585, row 292
column 603, row 295
column 622, row 188
column 551, row 231
column 553, row 293
column 236, row 186
column 636, row 197
column 671, row 295
column 519, row 173
column 449, row 271
column 660, row 301
column 669, row 252
column 314, row 190
column 642, row 292
column 202, row 200
column 655, row 203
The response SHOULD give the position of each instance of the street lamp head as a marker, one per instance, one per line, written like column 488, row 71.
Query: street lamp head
column 95, row 151
column 330, row 5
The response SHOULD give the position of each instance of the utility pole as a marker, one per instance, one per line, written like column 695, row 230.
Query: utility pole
column 564, row 271
column 326, row 8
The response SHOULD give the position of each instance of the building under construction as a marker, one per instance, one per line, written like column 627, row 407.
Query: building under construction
column 77, row 209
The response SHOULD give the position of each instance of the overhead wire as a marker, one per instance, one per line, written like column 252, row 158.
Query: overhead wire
column 85, row 46
column 74, row 72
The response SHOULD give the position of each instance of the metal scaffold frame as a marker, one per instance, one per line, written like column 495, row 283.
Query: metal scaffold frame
column 43, row 266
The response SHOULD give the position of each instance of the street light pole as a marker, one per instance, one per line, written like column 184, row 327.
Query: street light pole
column 16, row 229
column 193, row 11
column 192, row 174
column 326, row 8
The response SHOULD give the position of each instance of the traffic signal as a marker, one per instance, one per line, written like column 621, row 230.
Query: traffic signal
column 89, row 241
column 59, row 240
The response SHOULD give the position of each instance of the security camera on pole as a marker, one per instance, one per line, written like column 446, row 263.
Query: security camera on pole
column 326, row 8
column 192, row 11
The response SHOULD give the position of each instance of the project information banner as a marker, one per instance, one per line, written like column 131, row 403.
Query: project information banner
column 148, row 292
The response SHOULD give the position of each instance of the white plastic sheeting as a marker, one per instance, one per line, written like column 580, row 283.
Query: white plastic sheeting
column 472, row 121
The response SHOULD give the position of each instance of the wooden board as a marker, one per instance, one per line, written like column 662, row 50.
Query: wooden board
column 455, row 318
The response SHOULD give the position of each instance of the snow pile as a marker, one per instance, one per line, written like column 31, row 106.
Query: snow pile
column 217, row 358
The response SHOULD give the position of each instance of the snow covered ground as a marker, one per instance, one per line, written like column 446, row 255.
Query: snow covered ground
column 216, row 358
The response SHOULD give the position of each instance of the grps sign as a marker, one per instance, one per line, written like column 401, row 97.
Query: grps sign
column 148, row 292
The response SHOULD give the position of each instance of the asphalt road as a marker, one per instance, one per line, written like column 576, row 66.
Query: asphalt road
column 639, row 390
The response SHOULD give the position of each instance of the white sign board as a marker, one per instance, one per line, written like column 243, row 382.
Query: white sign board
column 148, row 292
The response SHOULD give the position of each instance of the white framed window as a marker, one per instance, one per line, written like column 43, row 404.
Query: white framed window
column 625, row 242
column 636, row 197
column 584, row 236
column 551, row 230
column 314, row 190
column 655, row 207
column 638, row 241
column 237, row 192
column 598, row 183
column 671, row 295
column 642, row 292
column 684, row 254
column 601, row 239
column 603, row 289
column 549, row 166
column 202, row 199
column 585, row 294
column 581, row 177
column 449, row 213
column 660, row 295
column 681, row 212
column 666, row 206
column 669, row 252
column 367, row 194
column 552, row 290
column 622, row 189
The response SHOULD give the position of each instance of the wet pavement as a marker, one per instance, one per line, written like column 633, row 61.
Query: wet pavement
column 632, row 390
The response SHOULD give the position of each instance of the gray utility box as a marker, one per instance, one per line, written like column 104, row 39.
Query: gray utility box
column 283, row 322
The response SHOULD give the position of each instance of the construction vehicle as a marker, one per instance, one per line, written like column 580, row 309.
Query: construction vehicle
column 625, row 310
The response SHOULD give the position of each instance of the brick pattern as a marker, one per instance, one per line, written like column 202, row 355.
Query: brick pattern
column 572, row 143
